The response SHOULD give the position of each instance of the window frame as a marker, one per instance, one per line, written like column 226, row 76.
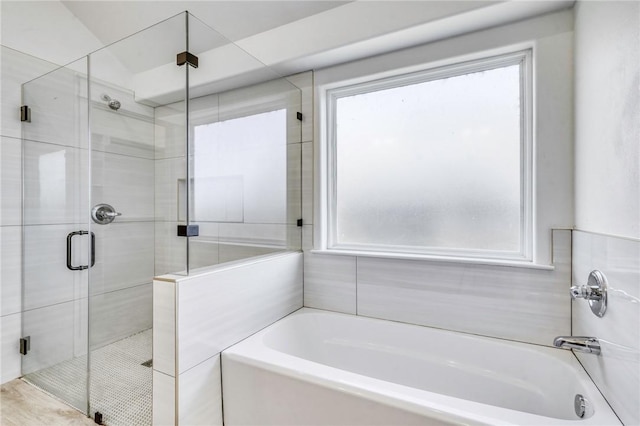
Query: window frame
column 399, row 78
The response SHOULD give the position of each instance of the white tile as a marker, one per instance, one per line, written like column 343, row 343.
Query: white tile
column 10, row 181
column 52, row 331
column 10, row 326
column 294, row 183
column 164, row 327
column 121, row 313
column 170, row 250
column 307, row 182
column 294, row 237
column 58, row 102
column 231, row 252
column 221, row 307
column 124, row 182
column 17, row 68
column 47, row 280
column 616, row 371
column 200, row 394
column 122, row 132
column 164, row 399
column 124, row 256
column 203, row 253
column 494, row 301
column 304, row 81
column 169, row 130
column 254, row 233
column 168, row 174
column 10, row 269
column 330, row 282
column 307, row 237
column 55, row 184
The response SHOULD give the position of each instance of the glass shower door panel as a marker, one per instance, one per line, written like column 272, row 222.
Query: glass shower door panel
column 245, row 156
column 56, row 238
column 130, row 152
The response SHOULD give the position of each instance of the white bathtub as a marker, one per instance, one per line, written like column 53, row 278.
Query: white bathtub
column 321, row 368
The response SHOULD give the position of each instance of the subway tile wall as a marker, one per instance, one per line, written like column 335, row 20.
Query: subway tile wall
column 616, row 371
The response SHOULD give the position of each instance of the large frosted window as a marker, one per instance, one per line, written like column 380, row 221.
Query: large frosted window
column 433, row 162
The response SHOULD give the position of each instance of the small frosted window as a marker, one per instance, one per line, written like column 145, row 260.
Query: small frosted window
column 431, row 166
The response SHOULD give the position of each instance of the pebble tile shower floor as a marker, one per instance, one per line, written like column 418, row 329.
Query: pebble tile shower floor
column 120, row 385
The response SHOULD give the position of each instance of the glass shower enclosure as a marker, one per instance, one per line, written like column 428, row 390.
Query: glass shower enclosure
column 169, row 151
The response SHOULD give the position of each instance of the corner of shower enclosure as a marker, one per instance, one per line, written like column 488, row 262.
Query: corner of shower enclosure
column 165, row 152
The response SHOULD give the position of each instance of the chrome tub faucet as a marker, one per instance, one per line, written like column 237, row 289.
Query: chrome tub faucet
column 589, row 345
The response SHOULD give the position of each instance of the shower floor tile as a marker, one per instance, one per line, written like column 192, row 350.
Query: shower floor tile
column 120, row 385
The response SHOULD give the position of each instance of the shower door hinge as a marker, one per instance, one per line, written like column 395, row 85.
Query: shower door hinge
column 187, row 58
column 299, row 222
column 25, row 345
column 25, row 114
column 188, row 230
column 299, row 116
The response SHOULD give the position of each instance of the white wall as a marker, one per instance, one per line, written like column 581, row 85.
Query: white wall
column 607, row 193
column 607, row 107
column 365, row 285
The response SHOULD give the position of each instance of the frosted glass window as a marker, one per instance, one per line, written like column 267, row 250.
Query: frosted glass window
column 432, row 164
column 240, row 169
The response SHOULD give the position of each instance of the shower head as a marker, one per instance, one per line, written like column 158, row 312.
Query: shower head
column 113, row 103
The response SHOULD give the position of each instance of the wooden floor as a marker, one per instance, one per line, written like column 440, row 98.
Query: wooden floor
column 22, row 404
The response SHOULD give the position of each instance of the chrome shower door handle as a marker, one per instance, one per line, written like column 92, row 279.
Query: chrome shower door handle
column 69, row 250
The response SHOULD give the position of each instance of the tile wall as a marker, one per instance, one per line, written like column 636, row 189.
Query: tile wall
column 496, row 301
column 197, row 317
column 56, row 202
column 616, row 371
column 256, row 234
column 17, row 68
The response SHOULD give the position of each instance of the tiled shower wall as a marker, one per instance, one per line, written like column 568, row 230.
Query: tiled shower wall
column 54, row 306
column 257, row 233
column 17, row 68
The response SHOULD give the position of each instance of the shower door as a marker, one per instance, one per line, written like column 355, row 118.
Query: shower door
column 89, row 225
column 87, row 283
column 57, row 247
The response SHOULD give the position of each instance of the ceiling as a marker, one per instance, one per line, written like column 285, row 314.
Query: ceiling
column 110, row 21
column 288, row 36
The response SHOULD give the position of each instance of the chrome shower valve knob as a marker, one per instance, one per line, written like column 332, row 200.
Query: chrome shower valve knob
column 595, row 292
column 586, row 292
column 104, row 214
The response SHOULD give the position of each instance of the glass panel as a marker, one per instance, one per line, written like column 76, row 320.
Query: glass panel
column 54, row 297
column 432, row 165
column 245, row 154
column 137, row 160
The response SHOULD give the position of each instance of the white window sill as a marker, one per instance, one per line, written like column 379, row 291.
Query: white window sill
column 433, row 258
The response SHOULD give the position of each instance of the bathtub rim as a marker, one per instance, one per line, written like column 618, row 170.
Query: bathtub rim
column 417, row 401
